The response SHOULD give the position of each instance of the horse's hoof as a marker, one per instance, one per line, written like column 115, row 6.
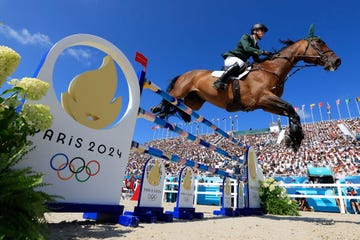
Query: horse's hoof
column 288, row 141
column 295, row 147
column 155, row 109
column 162, row 115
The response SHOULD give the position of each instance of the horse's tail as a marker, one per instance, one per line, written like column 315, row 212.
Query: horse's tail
column 172, row 83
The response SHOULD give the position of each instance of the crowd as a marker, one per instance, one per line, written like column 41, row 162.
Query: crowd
column 324, row 145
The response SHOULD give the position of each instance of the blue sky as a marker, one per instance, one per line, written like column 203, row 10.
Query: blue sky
column 181, row 35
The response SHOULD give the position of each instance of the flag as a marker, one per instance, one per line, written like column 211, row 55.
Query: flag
column 296, row 109
column 328, row 106
column 347, row 100
column 141, row 59
column 312, row 105
column 358, row 99
column 321, row 104
column 338, row 101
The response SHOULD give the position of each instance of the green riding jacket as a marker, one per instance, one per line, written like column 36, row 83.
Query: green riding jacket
column 245, row 49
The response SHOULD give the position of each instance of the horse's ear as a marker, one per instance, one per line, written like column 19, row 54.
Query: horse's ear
column 311, row 31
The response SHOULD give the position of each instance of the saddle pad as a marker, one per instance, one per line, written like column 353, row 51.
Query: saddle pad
column 219, row 73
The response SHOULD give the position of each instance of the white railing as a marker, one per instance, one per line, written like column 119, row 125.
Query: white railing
column 206, row 184
column 337, row 185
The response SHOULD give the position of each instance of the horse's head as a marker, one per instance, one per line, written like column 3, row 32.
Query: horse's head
column 316, row 51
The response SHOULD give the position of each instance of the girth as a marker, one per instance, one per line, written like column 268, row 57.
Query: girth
column 236, row 91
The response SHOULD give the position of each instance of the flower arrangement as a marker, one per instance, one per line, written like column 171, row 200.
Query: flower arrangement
column 22, row 204
column 274, row 199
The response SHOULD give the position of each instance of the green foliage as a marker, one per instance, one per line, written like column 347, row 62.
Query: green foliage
column 22, row 205
column 22, row 208
column 274, row 199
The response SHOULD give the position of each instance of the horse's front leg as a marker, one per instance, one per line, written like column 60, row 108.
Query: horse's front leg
column 272, row 103
column 296, row 133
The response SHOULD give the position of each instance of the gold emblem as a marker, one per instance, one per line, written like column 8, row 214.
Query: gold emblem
column 90, row 97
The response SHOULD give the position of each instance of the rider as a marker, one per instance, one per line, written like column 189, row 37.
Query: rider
column 235, row 60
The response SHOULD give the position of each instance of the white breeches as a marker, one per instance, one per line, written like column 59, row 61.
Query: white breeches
column 232, row 60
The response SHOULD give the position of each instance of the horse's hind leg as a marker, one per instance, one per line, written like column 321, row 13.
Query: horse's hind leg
column 163, row 109
column 157, row 108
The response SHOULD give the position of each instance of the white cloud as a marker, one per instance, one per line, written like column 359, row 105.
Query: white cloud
column 81, row 55
column 25, row 37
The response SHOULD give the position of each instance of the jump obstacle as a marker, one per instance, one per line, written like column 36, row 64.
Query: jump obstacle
column 100, row 156
column 149, row 211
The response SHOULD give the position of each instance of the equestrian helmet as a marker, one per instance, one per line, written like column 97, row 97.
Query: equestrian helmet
column 259, row 26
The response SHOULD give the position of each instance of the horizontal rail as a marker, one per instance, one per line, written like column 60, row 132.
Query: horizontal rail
column 173, row 127
column 182, row 161
column 153, row 87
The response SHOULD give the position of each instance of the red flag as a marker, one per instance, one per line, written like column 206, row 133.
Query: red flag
column 321, row 104
column 141, row 59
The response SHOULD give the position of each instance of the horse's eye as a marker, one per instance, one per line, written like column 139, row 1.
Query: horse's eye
column 319, row 41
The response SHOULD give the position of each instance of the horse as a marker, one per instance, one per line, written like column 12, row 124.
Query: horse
column 261, row 88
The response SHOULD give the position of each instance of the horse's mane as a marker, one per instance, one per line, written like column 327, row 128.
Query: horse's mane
column 287, row 43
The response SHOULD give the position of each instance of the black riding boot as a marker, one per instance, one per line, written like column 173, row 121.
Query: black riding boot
column 233, row 71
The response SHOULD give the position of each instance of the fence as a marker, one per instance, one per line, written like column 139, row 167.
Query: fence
column 341, row 188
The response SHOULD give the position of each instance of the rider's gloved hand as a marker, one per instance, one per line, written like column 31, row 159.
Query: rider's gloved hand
column 268, row 54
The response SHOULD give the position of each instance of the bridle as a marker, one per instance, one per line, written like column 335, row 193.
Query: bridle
column 321, row 55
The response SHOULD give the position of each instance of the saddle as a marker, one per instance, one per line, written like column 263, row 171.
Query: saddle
column 241, row 76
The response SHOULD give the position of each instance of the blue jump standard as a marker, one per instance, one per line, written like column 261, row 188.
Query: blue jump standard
column 186, row 213
column 97, row 212
column 151, row 214
column 248, row 211
column 229, row 212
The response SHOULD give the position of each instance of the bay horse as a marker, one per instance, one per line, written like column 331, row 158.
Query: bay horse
column 261, row 88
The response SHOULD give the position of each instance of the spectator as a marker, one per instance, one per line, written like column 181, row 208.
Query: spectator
column 324, row 146
column 350, row 191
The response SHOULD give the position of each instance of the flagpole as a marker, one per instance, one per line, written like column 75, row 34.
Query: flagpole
column 303, row 112
column 312, row 116
column 357, row 106
column 347, row 106
column 230, row 126
column 237, row 122
column 328, row 110
column 338, row 109
column 321, row 118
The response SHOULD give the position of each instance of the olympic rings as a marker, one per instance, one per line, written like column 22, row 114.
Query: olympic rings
column 74, row 169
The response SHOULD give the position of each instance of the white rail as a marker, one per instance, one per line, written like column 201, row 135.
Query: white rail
column 339, row 186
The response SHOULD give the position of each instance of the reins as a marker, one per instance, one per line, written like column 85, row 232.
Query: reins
column 298, row 68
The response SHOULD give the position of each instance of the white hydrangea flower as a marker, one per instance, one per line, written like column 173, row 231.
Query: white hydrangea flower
column 34, row 88
column 9, row 61
column 37, row 115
